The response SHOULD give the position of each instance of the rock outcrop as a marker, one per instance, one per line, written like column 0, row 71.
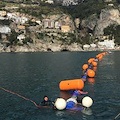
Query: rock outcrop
column 107, row 18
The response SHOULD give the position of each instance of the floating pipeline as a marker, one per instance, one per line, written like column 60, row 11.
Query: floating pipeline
column 75, row 84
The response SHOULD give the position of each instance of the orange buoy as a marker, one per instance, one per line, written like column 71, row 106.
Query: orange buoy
column 94, row 64
column 85, row 66
column 100, row 57
column 71, row 84
column 91, row 80
column 91, row 60
column 94, row 68
column 90, row 73
column 103, row 53
column 97, row 56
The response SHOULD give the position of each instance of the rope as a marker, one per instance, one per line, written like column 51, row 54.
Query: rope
column 19, row 96
column 116, row 116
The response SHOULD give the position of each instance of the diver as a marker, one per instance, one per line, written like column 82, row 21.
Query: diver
column 78, row 92
column 46, row 102
column 72, row 102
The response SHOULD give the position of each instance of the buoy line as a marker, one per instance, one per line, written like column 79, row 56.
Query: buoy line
column 75, row 84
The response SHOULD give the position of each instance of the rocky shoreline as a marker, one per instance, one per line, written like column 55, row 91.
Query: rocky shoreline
column 40, row 47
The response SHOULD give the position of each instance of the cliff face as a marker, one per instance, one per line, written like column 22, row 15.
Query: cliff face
column 107, row 17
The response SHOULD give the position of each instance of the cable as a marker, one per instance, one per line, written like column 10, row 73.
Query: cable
column 116, row 116
column 19, row 96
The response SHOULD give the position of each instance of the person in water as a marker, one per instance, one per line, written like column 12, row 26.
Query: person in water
column 72, row 102
column 46, row 102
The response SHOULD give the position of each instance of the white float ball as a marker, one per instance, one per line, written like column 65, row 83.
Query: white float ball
column 60, row 103
column 87, row 101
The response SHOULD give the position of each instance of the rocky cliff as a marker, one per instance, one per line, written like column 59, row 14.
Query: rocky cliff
column 106, row 18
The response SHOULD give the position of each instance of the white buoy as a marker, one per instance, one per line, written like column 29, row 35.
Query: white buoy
column 60, row 103
column 87, row 101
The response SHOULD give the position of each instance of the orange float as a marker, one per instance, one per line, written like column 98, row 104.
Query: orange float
column 71, row 84
column 91, row 73
column 100, row 58
column 103, row 53
column 91, row 60
column 91, row 80
column 94, row 68
column 97, row 56
column 94, row 64
column 85, row 66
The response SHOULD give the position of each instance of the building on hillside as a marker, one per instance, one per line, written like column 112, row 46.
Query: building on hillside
column 21, row 28
column 109, row 0
column 5, row 30
column 65, row 28
column 69, row 2
column 47, row 23
column 21, row 37
column 49, row 1
column 106, row 44
column 17, row 19
column 57, row 25
column 3, row 18
column 3, row 13
column 38, row 22
column 86, row 47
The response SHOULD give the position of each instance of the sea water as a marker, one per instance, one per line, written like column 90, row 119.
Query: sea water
column 34, row 75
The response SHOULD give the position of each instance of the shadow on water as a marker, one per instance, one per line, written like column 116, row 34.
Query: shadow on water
column 34, row 75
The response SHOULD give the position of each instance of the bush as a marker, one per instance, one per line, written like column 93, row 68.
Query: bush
column 12, row 38
column 113, row 31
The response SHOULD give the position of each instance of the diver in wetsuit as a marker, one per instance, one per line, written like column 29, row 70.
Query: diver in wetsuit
column 46, row 102
column 72, row 102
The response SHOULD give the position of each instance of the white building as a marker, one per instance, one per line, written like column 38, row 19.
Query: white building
column 5, row 29
column 21, row 37
column 17, row 19
column 57, row 25
column 3, row 18
column 69, row 2
column 93, row 45
column 86, row 47
column 106, row 44
column 49, row 1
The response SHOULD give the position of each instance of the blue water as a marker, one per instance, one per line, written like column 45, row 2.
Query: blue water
column 34, row 75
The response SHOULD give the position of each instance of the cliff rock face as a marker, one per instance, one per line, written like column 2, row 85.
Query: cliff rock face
column 107, row 18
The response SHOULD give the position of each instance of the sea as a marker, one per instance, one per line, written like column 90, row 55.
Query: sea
column 33, row 75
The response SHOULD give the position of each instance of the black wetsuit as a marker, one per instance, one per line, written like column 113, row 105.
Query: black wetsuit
column 46, row 103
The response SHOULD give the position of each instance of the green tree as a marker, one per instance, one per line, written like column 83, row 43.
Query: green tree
column 12, row 38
